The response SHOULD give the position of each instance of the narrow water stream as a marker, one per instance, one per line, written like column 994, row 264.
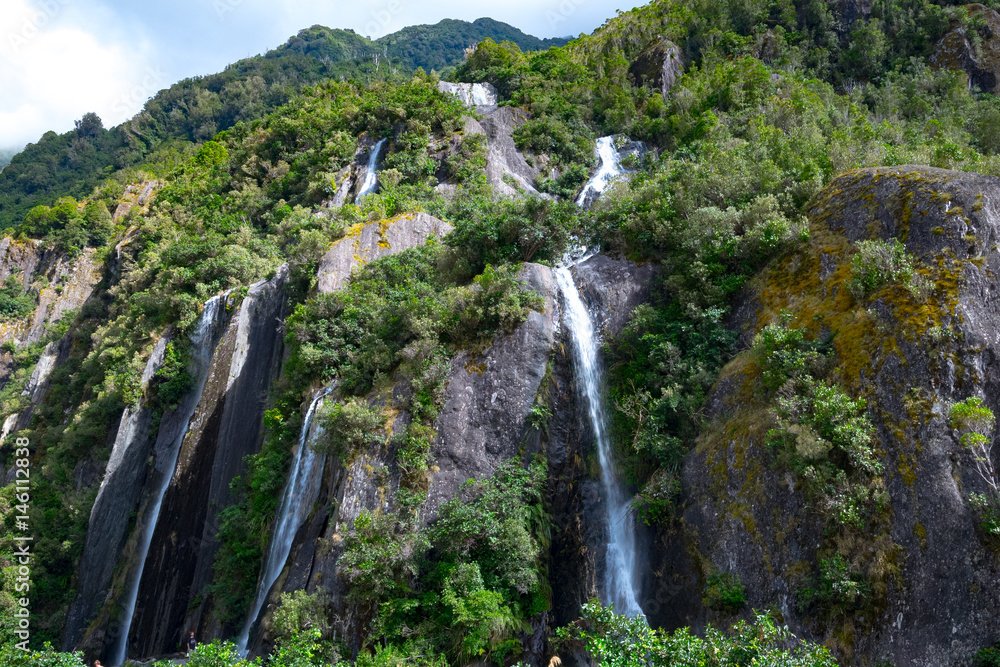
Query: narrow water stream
column 620, row 580
column 296, row 503
column 202, row 348
column 371, row 173
column 610, row 169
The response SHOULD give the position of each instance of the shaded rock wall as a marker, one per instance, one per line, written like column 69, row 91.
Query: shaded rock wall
column 226, row 427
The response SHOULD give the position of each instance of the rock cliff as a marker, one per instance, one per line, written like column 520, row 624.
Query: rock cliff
column 934, row 573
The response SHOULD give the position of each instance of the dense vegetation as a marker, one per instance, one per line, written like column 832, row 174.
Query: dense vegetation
column 776, row 99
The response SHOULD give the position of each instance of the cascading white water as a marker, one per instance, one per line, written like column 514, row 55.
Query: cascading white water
column 620, row 580
column 202, row 348
column 371, row 175
column 609, row 170
column 483, row 95
column 297, row 500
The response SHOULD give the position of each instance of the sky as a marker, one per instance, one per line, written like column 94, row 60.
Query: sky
column 60, row 59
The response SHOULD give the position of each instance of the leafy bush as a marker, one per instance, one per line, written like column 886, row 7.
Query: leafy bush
column 975, row 422
column 465, row 586
column 614, row 640
column 880, row 263
column 837, row 591
column 988, row 657
column 513, row 230
column 656, row 502
column 354, row 427
column 47, row 657
column 15, row 301
column 299, row 612
column 988, row 510
column 218, row 654
column 784, row 354
column 724, row 592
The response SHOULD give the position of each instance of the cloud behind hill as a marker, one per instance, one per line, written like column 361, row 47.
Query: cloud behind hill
column 60, row 59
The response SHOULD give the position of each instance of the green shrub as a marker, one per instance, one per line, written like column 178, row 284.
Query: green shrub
column 837, row 591
column 988, row 511
column 218, row 654
column 784, row 354
column 724, row 592
column 15, row 301
column 619, row 641
column 988, row 657
column 300, row 612
column 47, row 657
column 354, row 427
column 880, row 263
column 656, row 503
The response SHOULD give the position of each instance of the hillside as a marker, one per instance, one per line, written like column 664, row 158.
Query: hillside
column 673, row 345
column 194, row 110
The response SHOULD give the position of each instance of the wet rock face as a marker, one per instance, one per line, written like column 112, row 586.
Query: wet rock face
column 659, row 65
column 747, row 516
column 122, row 487
column 220, row 426
column 955, row 51
column 484, row 421
column 366, row 243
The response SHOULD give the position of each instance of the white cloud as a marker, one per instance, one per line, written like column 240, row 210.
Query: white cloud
column 52, row 71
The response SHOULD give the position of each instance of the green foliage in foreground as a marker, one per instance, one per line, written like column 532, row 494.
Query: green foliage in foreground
column 47, row 657
column 618, row 641
column 465, row 587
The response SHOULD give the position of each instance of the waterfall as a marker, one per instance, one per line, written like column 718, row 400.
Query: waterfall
column 619, row 574
column 482, row 94
column 371, row 175
column 297, row 500
column 610, row 169
column 201, row 340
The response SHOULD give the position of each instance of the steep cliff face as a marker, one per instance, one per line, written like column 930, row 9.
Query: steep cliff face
column 933, row 573
column 217, row 424
column 484, row 420
column 63, row 285
column 118, row 497
column 612, row 288
column 226, row 427
column 506, row 168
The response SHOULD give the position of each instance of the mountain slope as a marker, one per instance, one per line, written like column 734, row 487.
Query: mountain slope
column 194, row 110
column 797, row 328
